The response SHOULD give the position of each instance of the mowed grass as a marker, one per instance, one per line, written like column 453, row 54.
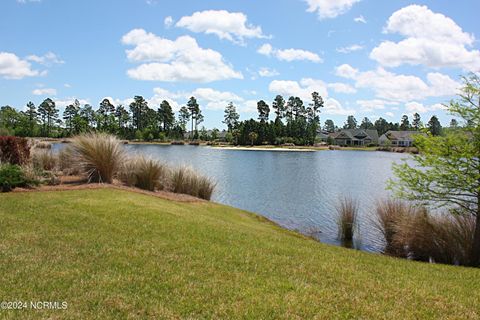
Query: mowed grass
column 114, row 254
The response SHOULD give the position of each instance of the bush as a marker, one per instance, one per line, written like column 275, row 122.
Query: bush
column 145, row 173
column 44, row 159
column 14, row 150
column 11, row 176
column 347, row 211
column 186, row 180
column 99, row 155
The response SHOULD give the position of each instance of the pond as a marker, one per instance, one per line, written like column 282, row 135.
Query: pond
column 297, row 190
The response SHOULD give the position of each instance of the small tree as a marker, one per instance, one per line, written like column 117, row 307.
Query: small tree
column 446, row 172
column 434, row 126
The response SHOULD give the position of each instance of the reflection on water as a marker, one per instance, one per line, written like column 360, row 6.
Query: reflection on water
column 298, row 190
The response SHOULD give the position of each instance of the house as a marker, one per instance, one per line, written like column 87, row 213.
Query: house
column 398, row 138
column 355, row 137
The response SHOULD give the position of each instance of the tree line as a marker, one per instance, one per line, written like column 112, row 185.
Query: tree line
column 293, row 121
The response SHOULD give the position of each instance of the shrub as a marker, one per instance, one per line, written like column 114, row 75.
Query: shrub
column 44, row 159
column 347, row 211
column 99, row 155
column 11, row 176
column 43, row 145
column 14, row 150
column 145, row 173
column 186, row 180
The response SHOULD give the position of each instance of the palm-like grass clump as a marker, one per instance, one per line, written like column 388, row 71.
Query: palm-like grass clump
column 99, row 155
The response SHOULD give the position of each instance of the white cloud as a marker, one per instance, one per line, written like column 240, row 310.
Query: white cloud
column 395, row 87
column 431, row 39
column 389, row 114
column 266, row 49
column 342, row 87
column 374, row 104
column 44, row 92
column 353, row 47
column 346, row 71
column 67, row 85
column 47, row 59
column 360, row 19
column 179, row 60
column 231, row 26
column 266, row 72
column 12, row 67
column 27, row 1
column 414, row 106
column 289, row 54
column 168, row 22
column 329, row 8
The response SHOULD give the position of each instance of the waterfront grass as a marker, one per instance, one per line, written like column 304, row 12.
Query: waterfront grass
column 114, row 254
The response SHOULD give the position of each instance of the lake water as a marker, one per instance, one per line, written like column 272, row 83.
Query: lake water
column 297, row 190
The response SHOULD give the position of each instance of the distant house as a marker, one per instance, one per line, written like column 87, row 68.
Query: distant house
column 322, row 136
column 355, row 137
column 398, row 138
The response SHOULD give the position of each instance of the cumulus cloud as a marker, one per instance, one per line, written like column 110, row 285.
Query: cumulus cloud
column 352, row 48
column 330, row 8
column 374, row 104
column 289, row 54
column 47, row 59
column 399, row 87
column 418, row 107
column 178, row 60
column 266, row 72
column 339, row 87
column 62, row 103
column 304, row 89
column 12, row 67
column 431, row 39
column 44, row 92
column 231, row 26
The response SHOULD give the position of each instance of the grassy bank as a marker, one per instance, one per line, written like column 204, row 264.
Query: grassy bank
column 115, row 254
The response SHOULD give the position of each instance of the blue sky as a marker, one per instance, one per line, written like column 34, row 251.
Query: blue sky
column 370, row 58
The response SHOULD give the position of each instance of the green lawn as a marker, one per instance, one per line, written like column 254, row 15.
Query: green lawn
column 121, row 255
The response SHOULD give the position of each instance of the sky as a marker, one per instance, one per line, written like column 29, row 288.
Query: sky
column 367, row 58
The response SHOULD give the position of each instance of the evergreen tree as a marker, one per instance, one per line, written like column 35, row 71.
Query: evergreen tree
column 405, row 123
column 279, row 106
column 263, row 111
column 166, row 116
column 366, row 124
column 417, row 123
column 454, row 124
column 49, row 115
column 32, row 115
column 434, row 126
column 329, row 126
column 231, row 117
column 351, row 123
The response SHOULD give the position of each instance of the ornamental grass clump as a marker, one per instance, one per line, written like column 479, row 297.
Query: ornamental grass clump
column 347, row 212
column 99, row 155
column 185, row 180
column 44, row 159
column 388, row 217
column 145, row 173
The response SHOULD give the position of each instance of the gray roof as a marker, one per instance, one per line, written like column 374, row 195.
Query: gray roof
column 356, row 134
column 401, row 135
